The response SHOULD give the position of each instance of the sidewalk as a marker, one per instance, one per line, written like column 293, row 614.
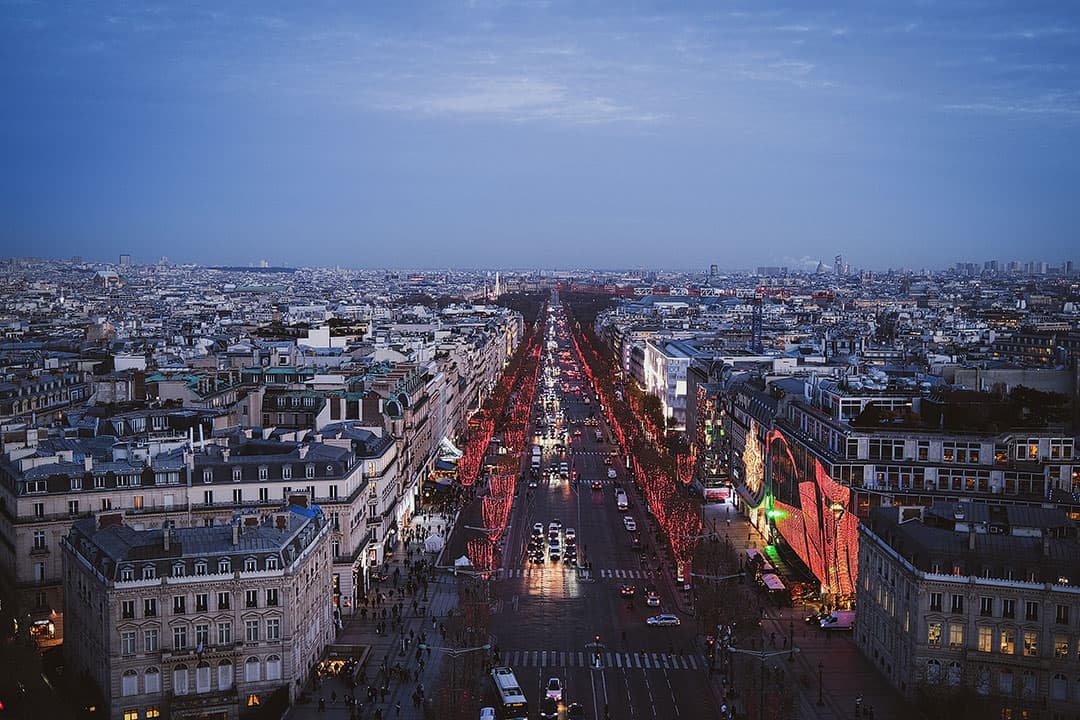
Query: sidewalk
column 375, row 650
column 830, row 658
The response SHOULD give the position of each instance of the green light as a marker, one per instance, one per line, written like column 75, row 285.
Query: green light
column 775, row 514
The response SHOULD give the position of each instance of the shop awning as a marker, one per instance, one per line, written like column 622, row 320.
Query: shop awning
column 447, row 450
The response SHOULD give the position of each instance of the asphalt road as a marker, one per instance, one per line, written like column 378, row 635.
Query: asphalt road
column 547, row 616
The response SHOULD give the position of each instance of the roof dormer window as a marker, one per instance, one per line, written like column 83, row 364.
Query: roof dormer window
column 127, row 574
column 200, row 567
column 148, row 572
column 224, row 566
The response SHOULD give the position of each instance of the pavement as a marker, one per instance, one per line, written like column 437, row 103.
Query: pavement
column 371, row 649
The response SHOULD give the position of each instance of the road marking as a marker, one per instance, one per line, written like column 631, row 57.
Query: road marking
column 618, row 660
column 645, row 659
column 693, row 662
column 543, row 658
column 581, row 659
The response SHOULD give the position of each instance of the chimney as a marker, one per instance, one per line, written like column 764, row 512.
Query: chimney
column 303, row 451
column 88, row 463
column 1046, row 543
column 166, row 533
column 971, row 537
column 235, row 534
column 225, row 452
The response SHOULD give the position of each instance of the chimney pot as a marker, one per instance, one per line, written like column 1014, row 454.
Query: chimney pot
column 235, row 534
column 166, row 535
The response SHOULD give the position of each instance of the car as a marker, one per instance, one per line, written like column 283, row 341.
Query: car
column 627, row 591
column 555, row 523
column 816, row 618
column 637, row 542
column 533, row 482
column 597, row 485
column 612, row 474
column 607, row 459
column 652, row 599
column 549, row 709
column 629, row 524
column 537, row 558
column 555, row 555
column 538, row 529
column 575, row 711
column 577, row 433
column 487, row 713
column 663, row 620
column 571, row 535
column 553, row 690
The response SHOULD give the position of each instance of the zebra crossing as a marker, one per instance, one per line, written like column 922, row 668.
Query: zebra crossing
column 584, row 659
column 614, row 574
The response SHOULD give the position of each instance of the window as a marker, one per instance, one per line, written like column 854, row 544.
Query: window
column 933, row 671
column 986, row 606
column 131, row 714
column 264, row 472
column 178, row 569
column 986, row 639
column 150, row 607
column 127, row 642
column 129, row 683
column 286, row 472
column 179, row 604
column 127, row 609
column 73, row 507
column 179, row 637
column 150, row 640
column 249, row 565
column 251, row 631
column 224, row 633
column 238, row 496
column 137, row 502
column 1008, row 609
column 148, row 572
column 224, row 566
column 273, row 667
column 1031, row 610
column 271, row 597
column 200, row 567
column 1061, row 646
column 273, row 629
column 202, row 677
column 223, row 600
column 335, row 520
column 39, row 509
column 251, row 598
column 208, row 497
column 271, row 562
column 224, row 675
column 180, row 680
column 956, row 636
column 39, row 540
column 1008, row 641
column 958, row 603
column 935, row 602
column 152, row 680
column 1005, row 681
column 309, row 471
column 953, row 674
column 201, row 602
column 933, row 635
column 237, row 474
column 1031, row 643
column 264, row 495
column 251, row 670
column 1061, row 617
column 1059, row 687
column 153, row 712
column 333, row 492
column 208, row 476
column 127, row 574
column 202, row 635
column 106, row 503
column 924, row 450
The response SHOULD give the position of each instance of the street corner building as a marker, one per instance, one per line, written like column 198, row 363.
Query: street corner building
column 218, row 622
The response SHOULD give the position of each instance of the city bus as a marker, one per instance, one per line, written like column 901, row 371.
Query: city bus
column 511, row 702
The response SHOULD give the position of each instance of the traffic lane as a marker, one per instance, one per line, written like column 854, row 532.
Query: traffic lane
column 692, row 696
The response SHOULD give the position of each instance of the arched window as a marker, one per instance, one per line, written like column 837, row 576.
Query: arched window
column 273, row 667
column 202, row 677
column 1029, row 684
column 1005, row 681
column 953, row 675
column 224, row 675
column 180, row 680
column 251, row 670
column 933, row 672
column 1059, row 687
column 152, row 680
column 982, row 680
column 129, row 683
column 224, row 566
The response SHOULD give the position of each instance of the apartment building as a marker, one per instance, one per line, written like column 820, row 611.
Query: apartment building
column 211, row 622
column 976, row 600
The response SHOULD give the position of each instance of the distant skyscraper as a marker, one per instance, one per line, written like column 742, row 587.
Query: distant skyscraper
column 125, row 261
column 838, row 264
column 713, row 270
column 1068, row 267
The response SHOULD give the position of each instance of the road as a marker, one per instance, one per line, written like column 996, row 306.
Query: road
column 547, row 616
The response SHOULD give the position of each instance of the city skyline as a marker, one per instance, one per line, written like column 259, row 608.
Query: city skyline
column 542, row 134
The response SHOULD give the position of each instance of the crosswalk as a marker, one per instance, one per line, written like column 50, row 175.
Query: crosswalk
column 582, row 659
column 614, row 574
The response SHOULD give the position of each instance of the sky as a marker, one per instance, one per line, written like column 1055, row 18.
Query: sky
column 541, row 134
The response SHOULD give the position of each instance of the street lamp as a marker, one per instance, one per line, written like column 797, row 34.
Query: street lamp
column 454, row 654
column 762, row 655
column 820, row 700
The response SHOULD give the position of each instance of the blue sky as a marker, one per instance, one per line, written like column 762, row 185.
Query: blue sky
column 502, row 133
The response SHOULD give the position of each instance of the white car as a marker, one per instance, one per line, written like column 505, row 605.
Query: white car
column 571, row 535
column 538, row 529
column 611, row 473
column 663, row 620
column 554, row 689
column 652, row 599
column 487, row 713
column 629, row 524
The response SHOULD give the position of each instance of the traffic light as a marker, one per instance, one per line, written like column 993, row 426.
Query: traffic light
column 596, row 639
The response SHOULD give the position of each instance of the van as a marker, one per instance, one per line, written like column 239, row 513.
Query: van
column 621, row 500
column 838, row 620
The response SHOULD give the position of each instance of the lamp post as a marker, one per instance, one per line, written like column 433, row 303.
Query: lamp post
column 762, row 655
column 820, row 699
column 454, row 654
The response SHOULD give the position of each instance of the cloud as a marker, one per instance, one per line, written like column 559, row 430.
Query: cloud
column 1053, row 104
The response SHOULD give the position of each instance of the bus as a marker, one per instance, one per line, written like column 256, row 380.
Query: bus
column 511, row 704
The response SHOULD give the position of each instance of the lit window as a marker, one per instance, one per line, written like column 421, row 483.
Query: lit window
column 933, row 635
